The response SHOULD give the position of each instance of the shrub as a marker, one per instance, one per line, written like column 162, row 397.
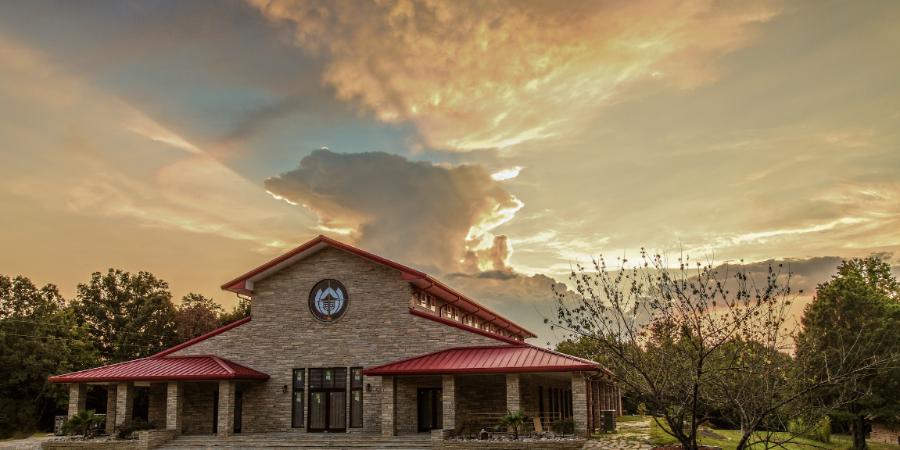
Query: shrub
column 821, row 431
column 127, row 432
column 564, row 426
column 85, row 423
column 641, row 409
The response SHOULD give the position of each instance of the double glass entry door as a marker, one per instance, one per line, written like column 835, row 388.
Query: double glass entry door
column 328, row 399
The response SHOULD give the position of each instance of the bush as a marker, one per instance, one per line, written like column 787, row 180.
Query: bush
column 127, row 432
column 642, row 409
column 564, row 426
column 821, row 431
column 85, row 423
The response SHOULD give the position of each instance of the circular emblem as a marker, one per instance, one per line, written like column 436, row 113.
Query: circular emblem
column 328, row 300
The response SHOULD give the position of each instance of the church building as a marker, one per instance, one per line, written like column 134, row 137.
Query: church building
column 341, row 340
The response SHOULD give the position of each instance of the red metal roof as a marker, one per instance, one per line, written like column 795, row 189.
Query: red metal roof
column 244, row 283
column 168, row 368
column 494, row 359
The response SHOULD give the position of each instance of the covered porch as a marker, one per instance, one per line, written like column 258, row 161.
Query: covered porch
column 182, row 395
column 459, row 392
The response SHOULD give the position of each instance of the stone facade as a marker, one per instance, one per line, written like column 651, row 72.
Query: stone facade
column 375, row 329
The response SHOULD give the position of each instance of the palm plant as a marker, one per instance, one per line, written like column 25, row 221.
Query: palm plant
column 84, row 423
column 514, row 420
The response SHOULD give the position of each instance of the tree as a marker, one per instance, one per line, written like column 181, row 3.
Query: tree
column 855, row 316
column 38, row 337
column 683, row 339
column 127, row 315
column 195, row 316
column 240, row 310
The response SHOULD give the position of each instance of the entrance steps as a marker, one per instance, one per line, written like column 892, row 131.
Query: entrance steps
column 302, row 440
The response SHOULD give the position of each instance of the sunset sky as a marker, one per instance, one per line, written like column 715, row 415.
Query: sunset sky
column 492, row 144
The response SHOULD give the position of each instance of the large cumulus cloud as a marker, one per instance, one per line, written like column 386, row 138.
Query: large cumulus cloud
column 436, row 217
column 474, row 74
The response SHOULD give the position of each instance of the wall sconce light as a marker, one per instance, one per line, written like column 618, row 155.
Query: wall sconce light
column 284, row 389
column 368, row 387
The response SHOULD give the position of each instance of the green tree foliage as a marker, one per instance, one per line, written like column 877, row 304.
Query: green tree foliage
column 854, row 320
column 127, row 315
column 241, row 310
column 39, row 337
column 195, row 316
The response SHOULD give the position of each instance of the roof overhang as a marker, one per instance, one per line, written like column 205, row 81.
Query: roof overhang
column 521, row 358
column 165, row 368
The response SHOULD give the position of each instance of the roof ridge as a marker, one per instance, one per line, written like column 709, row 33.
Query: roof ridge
column 222, row 364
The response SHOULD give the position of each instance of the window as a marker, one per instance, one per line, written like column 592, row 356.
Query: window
column 299, row 392
column 356, row 397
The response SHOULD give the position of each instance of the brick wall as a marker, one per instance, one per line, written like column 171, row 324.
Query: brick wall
column 376, row 328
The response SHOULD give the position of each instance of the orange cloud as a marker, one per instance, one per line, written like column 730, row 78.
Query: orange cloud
column 493, row 74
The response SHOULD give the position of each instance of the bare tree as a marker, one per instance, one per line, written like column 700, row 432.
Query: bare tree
column 692, row 340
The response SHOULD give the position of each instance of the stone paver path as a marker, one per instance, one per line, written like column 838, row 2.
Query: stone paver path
column 628, row 436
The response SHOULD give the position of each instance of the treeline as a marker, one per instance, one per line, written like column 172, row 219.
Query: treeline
column 115, row 316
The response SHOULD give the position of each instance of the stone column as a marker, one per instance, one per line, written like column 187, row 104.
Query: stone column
column 597, row 405
column 388, row 411
column 110, row 408
column 77, row 398
column 513, row 392
column 124, row 404
column 579, row 403
column 591, row 407
column 226, row 408
column 174, row 406
column 448, row 404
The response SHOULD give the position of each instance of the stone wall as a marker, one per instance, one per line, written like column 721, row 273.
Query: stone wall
column 406, row 408
column 480, row 400
column 574, row 444
column 156, row 409
column 198, row 408
column 375, row 329
column 146, row 440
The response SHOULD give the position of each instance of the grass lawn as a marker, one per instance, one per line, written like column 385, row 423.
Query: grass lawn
column 728, row 439
column 621, row 419
column 24, row 435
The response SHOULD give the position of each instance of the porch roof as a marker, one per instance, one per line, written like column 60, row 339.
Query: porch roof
column 165, row 368
column 488, row 359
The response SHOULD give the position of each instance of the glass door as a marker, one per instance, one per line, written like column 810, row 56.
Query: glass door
column 328, row 399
